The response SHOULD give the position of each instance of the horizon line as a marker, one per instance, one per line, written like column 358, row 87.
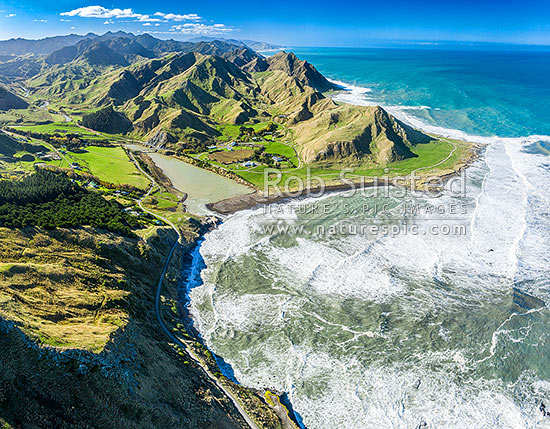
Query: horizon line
column 368, row 44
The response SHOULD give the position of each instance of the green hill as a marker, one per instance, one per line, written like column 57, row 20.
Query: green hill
column 9, row 101
column 357, row 133
column 192, row 95
column 301, row 70
column 8, row 146
column 107, row 120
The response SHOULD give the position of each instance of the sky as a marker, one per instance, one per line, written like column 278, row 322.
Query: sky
column 290, row 23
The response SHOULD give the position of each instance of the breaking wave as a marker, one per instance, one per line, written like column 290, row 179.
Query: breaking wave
column 395, row 331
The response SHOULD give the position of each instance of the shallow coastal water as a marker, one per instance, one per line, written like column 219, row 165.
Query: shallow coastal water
column 484, row 93
column 433, row 329
column 202, row 186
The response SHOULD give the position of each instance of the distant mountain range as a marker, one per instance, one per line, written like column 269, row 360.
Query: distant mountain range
column 49, row 45
column 252, row 44
column 30, row 57
column 45, row 46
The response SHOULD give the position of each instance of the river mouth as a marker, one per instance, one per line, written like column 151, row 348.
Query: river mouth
column 201, row 186
column 391, row 330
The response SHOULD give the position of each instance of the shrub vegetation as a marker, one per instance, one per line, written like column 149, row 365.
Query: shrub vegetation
column 51, row 200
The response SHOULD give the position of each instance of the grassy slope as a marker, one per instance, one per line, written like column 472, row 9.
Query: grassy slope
column 29, row 115
column 229, row 157
column 41, row 275
column 286, row 150
column 65, row 127
column 110, row 164
column 429, row 154
column 74, row 288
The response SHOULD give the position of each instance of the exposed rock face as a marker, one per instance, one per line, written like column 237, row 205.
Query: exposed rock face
column 160, row 139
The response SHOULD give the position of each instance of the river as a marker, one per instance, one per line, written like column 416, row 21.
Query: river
column 201, row 186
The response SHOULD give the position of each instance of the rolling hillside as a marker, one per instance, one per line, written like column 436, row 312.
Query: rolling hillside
column 189, row 91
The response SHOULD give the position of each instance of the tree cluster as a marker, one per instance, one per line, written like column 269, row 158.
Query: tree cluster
column 51, row 200
column 71, row 141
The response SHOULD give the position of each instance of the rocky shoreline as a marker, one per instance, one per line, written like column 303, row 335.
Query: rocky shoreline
column 274, row 401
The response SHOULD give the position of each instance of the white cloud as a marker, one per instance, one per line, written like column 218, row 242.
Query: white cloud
column 40, row 20
column 177, row 17
column 102, row 12
column 195, row 28
column 159, row 17
column 73, row 28
column 65, row 20
column 147, row 18
column 10, row 15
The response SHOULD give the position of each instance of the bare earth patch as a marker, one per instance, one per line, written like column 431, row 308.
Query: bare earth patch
column 229, row 157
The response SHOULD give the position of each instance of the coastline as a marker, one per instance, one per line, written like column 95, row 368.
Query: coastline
column 438, row 326
column 192, row 264
column 257, row 408
column 356, row 95
column 251, row 200
column 252, row 399
column 232, row 205
column 248, row 201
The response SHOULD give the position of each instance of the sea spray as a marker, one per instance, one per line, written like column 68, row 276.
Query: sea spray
column 278, row 309
column 396, row 331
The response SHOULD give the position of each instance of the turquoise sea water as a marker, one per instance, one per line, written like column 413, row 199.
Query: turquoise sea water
column 425, row 330
column 479, row 92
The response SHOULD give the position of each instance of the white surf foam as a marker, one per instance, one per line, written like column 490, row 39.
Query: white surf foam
column 340, row 373
column 361, row 96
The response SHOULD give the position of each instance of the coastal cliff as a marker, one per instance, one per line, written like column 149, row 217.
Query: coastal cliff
column 83, row 350
column 79, row 344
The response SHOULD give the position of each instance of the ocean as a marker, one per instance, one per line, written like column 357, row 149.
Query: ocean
column 447, row 327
